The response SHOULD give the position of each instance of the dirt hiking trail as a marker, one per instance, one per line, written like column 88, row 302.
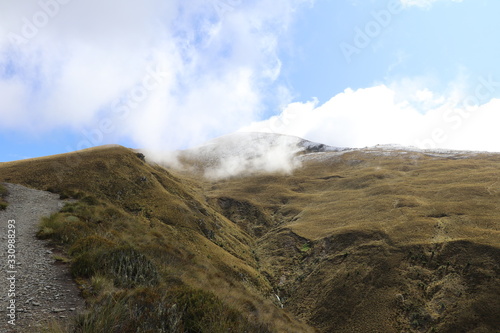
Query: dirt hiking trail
column 43, row 287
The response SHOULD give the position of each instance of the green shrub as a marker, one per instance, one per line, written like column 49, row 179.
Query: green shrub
column 305, row 247
column 81, row 209
column 124, row 265
column 129, row 267
column 50, row 226
column 62, row 228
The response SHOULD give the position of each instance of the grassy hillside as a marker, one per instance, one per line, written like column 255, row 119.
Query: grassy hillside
column 147, row 250
column 370, row 241
column 360, row 241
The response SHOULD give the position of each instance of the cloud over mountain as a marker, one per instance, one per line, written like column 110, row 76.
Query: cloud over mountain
column 402, row 113
column 161, row 73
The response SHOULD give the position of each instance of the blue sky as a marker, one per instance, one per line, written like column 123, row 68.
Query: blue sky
column 440, row 42
column 169, row 75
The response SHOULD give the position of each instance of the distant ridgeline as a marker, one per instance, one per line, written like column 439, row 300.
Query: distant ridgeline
column 267, row 233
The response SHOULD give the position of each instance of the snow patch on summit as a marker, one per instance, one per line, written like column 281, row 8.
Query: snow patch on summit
column 242, row 154
column 248, row 153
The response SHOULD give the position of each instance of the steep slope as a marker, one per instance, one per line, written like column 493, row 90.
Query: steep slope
column 378, row 240
column 383, row 239
column 140, row 235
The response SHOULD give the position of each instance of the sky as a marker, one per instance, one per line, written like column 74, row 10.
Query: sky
column 168, row 75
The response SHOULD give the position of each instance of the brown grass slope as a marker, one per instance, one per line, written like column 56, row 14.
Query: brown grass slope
column 363, row 241
column 148, row 250
column 368, row 241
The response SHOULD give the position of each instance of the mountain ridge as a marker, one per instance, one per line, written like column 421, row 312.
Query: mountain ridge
column 349, row 240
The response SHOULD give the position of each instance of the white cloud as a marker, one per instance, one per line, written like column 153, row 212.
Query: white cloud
column 426, row 4
column 184, row 71
column 244, row 153
column 170, row 74
column 380, row 115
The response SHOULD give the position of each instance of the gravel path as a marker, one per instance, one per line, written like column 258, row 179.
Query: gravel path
column 43, row 288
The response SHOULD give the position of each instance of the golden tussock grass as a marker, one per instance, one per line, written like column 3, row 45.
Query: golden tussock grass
column 370, row 220
column 357, row 242
column 137, row 234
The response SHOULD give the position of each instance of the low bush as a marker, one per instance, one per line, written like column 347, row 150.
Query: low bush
column 126, row 266
column 63, row 228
